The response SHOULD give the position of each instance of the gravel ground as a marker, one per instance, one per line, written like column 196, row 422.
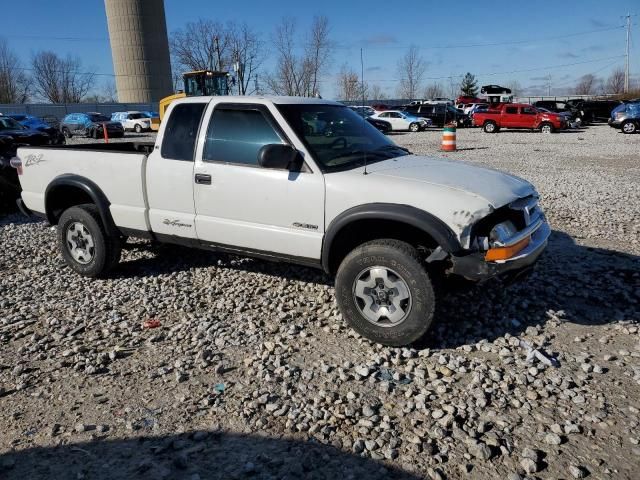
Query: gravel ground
column 251, row 372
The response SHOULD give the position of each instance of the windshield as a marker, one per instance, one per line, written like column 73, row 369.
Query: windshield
column 8, row 123
column 337, row 137
column 99, row 118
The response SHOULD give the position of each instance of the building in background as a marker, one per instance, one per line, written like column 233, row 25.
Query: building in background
column 140, row 49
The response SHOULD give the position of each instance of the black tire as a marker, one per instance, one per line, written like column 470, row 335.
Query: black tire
column 629, row 127
column 67, row 133
column 106, row 250
column 490, row 126
column 138, row 128
column 546, row 127
column 398, row 257
column 414, row 127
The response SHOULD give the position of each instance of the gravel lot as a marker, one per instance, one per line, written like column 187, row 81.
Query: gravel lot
column 252, row 373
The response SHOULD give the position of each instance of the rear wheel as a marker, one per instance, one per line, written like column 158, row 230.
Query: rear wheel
column 138, row 128
column 384, row 292
column 85, row 245
column 629, row 127
column 66, row 132
column 490, row 127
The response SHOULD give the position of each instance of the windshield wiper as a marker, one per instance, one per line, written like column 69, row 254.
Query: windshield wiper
column 394, row 147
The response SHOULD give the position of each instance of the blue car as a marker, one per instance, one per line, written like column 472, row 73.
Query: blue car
column 38, row 124
column 91, row 125
column 626, row 117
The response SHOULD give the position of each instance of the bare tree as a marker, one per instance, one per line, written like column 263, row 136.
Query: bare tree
column 318, row 51
column 245, row 48
column 201, row 45
column 299, row 74
column 60, row 80
column 586, row 85
column 615, row 82
column 349, row 86
column 377, row 93
column 411, row 67
column 515, row 87
column 433, row 90
column 14, row 84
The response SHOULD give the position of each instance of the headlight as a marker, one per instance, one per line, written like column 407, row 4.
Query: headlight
column 502, row 232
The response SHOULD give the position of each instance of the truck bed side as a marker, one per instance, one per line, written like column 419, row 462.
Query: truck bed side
column 117, row 172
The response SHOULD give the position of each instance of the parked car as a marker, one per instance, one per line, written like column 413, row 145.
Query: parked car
column 135, row 121
column 20, row 134
column 9, row 184
column 402, row 121
column 364, row 110
column 385, row 222
column 594, row 109
column 39, row 124
column 567, row 116
column 519, row 116
column 626, row 117
column 470, row 106
column 563, row 108
column 380, row 107
column 441, row 114
column 382, row 125
column 90, row 125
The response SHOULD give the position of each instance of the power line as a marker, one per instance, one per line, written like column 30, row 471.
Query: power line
column 490, row 44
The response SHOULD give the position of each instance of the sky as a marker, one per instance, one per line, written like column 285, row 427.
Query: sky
column 522, row 41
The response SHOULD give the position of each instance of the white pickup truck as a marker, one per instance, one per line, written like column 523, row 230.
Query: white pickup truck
column 253, row 176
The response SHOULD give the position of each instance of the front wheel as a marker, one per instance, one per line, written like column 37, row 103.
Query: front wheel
column 546, row 128
column 85, row 245
column 138, row 128
column 414, row 127
column 629, row 127
column 66, row 132
column 384, row 292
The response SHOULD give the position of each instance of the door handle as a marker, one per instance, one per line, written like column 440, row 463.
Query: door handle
column 203, row 179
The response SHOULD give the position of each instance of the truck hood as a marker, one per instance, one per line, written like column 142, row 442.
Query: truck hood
column 495, row 187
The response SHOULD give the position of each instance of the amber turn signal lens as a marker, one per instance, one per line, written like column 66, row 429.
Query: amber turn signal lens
column 504, row 253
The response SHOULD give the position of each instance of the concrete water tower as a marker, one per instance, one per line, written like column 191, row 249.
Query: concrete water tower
column 140, row 49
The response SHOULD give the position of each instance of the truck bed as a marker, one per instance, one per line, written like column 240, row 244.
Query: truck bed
column 117, row 168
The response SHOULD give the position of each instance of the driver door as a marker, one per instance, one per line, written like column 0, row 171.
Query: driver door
column 243, row 206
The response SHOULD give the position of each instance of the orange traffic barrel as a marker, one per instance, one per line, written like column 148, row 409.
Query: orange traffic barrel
column 449, row 138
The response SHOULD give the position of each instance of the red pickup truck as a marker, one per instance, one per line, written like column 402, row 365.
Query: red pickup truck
column 518, row 115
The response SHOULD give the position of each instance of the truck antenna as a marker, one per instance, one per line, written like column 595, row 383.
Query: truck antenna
column 364, row 120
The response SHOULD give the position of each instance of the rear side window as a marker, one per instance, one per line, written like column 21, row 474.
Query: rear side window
column 237, row 135
column 511, row 110
column 181, row 131
column 528, row 111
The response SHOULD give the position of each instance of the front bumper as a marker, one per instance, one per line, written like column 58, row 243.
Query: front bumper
column 475, row 268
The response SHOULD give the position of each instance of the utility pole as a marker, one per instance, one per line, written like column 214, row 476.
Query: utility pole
column 549, row 84
column 626, row 61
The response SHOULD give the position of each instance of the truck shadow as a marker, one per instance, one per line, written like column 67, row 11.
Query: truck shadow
column 586, row 285
column 202, row 454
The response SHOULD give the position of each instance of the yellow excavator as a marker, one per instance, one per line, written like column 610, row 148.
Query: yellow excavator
column 196, row 83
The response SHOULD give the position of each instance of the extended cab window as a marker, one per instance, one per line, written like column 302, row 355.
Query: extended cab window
column 511, row 110
column 181, row 131
column 237, row 135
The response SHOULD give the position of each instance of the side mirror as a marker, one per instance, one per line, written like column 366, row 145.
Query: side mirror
column 279, row 156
